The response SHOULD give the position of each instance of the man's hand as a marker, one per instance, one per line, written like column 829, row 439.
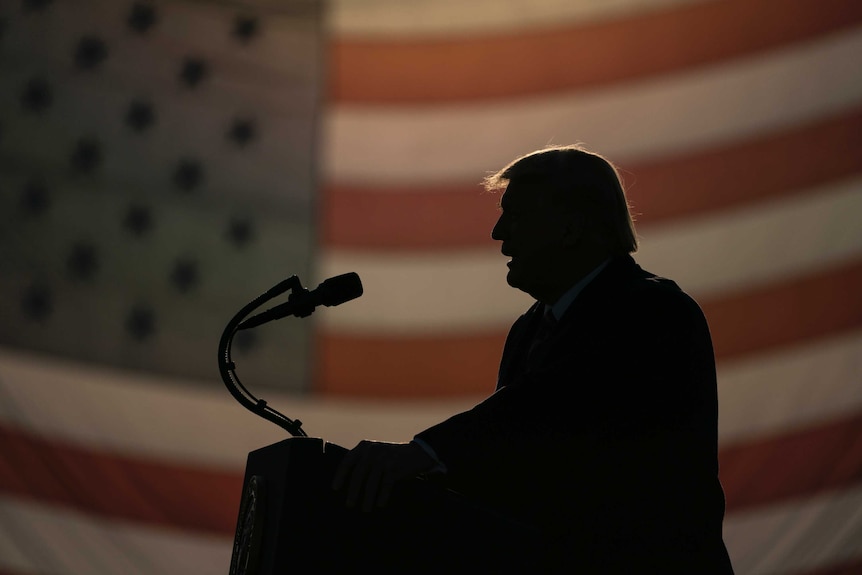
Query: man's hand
column 371, row 469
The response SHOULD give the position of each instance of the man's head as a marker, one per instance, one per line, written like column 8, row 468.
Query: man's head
column 564, row 211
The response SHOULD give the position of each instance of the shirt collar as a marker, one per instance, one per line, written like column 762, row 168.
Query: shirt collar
column 562, row 304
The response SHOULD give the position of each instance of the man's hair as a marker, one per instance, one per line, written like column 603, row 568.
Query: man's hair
column 581, row 179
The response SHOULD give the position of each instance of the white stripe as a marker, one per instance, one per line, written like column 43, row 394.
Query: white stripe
column 43, row 539
column 384, row 19
column 171, row 419
column 739, row 249
column 168, row 419
column 803, row 385
column 796, row 537
column 424, row 293
column 653, row 118
column 444, row 292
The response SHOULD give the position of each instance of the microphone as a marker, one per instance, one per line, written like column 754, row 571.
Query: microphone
column 334, row 291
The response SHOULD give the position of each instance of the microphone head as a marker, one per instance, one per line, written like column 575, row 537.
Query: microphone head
column 339, row 289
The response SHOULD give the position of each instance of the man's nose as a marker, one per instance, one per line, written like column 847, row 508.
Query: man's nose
column 497, row 230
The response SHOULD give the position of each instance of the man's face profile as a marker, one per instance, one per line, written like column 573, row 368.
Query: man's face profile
column 532, row 229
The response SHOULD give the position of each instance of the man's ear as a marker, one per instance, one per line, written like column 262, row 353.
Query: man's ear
column 574, row 230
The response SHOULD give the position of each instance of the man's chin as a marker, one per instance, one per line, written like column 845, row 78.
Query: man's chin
column 514, row 280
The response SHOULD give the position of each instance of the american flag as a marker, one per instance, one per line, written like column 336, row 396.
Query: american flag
column 163, row 162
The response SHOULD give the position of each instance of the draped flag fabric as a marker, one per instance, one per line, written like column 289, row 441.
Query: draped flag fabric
column 163, row 162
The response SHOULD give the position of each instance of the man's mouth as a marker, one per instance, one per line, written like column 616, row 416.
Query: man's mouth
column 507, row 254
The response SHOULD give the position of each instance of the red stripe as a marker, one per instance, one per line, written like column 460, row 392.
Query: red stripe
column 771, row 166
column 112, row 485
column 781, row 315
column 456, row 216
column 756, row 473
column 407, row 366
column 444, row 366
column 407, row 218
column 793, row 465
column 848, row 568
column 422, row 71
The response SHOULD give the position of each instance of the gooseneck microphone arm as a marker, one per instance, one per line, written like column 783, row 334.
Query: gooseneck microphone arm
column 227, row 367
column 301, row 303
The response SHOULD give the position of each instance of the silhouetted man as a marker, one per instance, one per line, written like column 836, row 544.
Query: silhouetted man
column 602, row 431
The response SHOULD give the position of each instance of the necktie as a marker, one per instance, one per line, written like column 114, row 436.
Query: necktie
column 546, row 327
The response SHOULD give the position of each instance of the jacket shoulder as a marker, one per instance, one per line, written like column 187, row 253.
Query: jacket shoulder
column 647, row 294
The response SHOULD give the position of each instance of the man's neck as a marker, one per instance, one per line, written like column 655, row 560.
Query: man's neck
column 571, row 275
column 563, row 303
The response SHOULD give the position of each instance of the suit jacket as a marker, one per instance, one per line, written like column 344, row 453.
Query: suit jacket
column 605, row 435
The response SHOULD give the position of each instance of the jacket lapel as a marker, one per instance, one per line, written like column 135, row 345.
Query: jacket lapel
column 518, row 345
column 575, row 323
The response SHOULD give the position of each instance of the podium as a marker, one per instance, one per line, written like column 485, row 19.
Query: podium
column 291, row 521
